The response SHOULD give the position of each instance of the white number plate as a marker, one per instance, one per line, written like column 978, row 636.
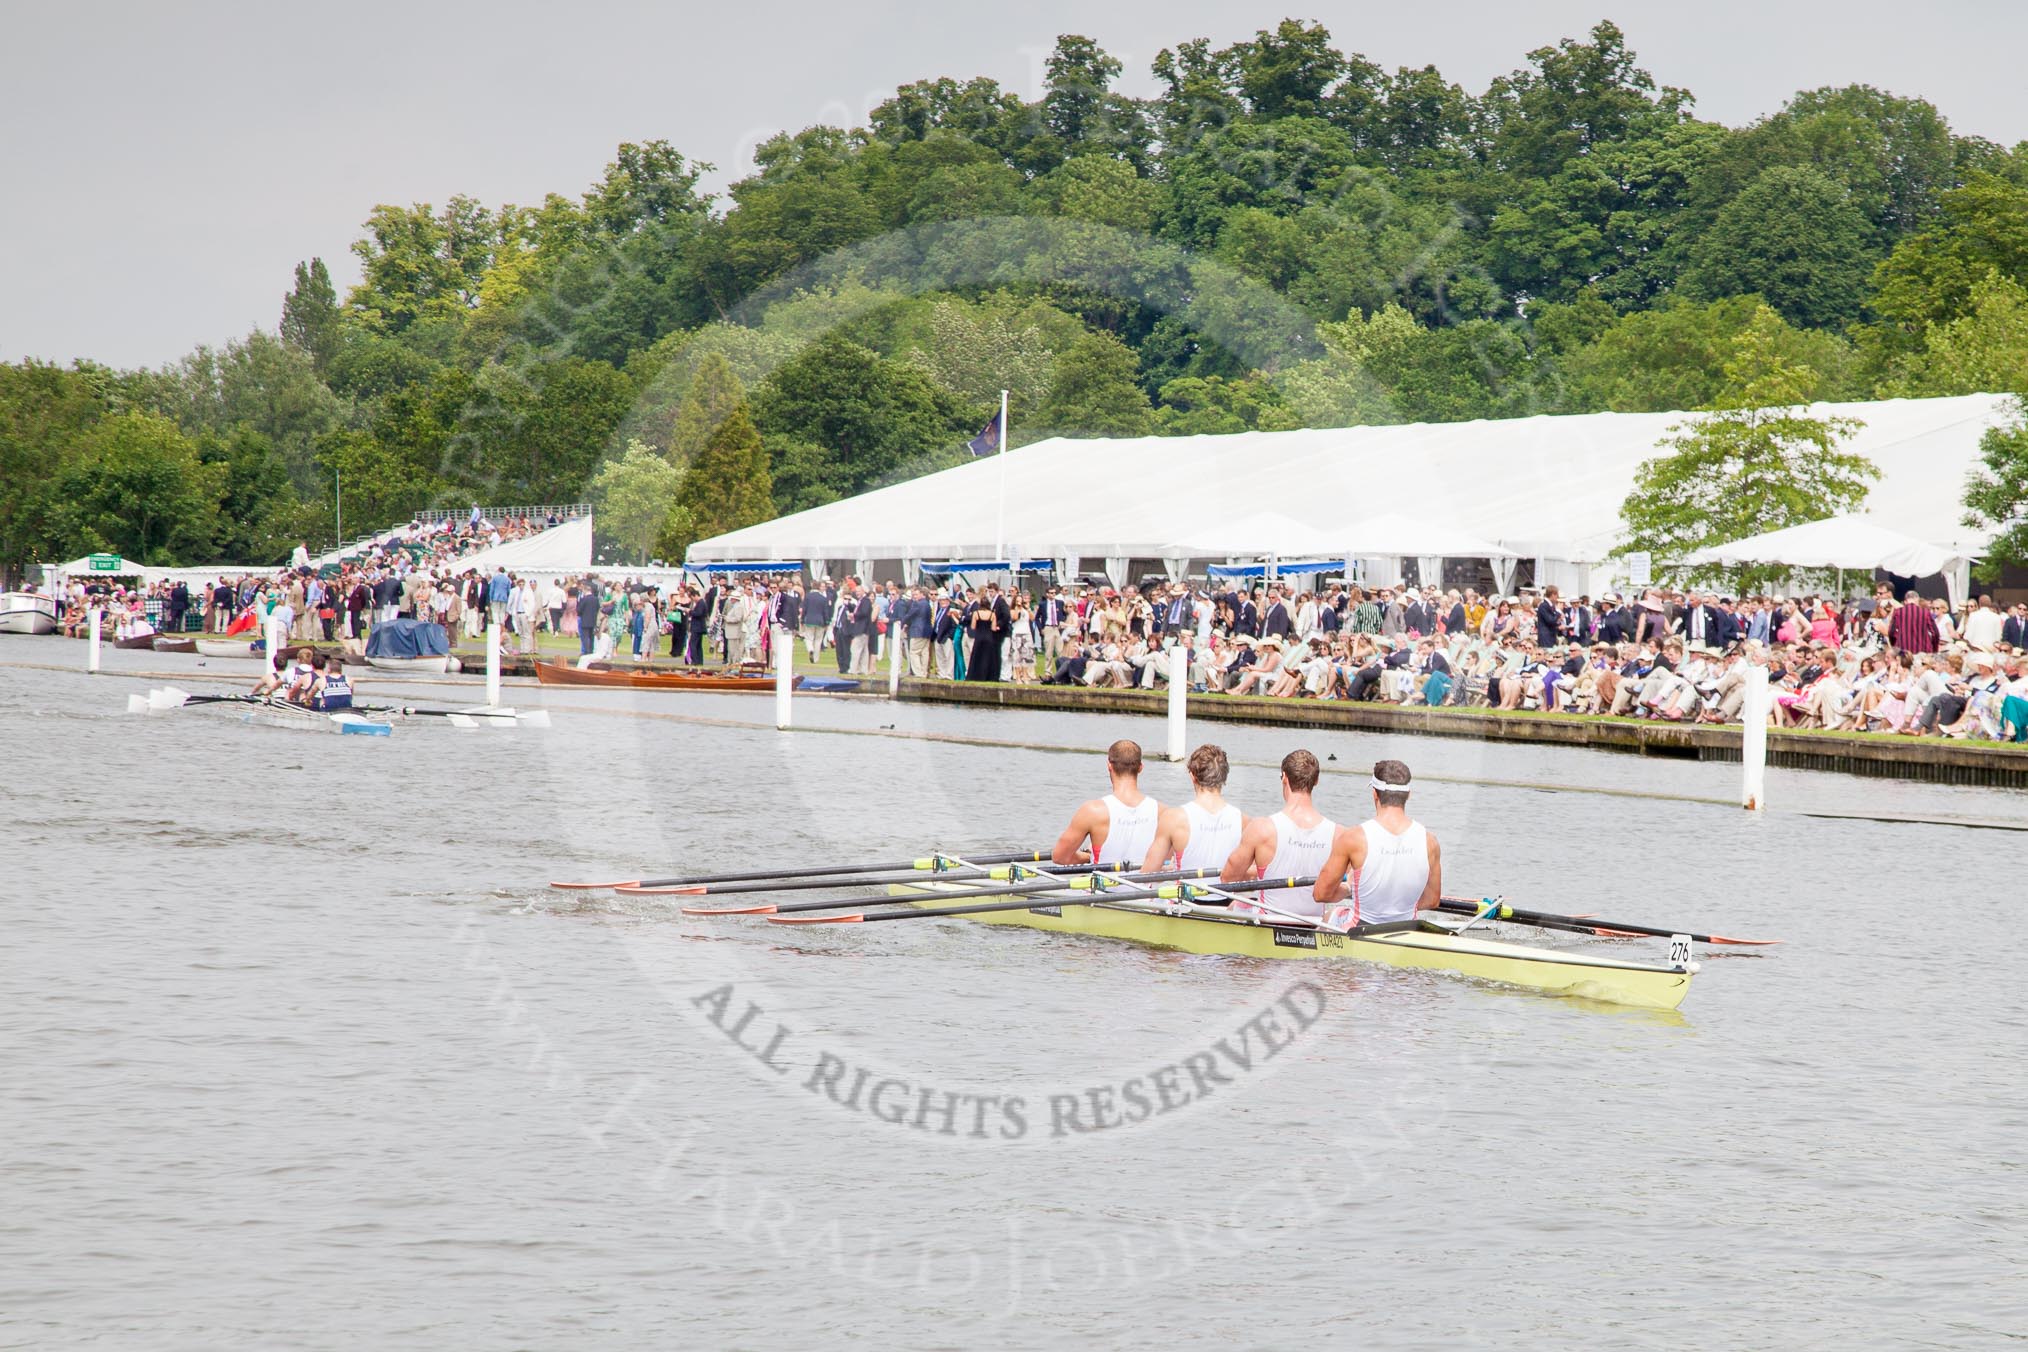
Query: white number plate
column 1679, row 950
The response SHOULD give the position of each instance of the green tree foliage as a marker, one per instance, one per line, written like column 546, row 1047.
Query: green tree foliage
column 45, row 413
column 632, row 498
column 1981, row 352
column 311, row 322
column 728, row 485
column 1996, row 496
column 1283, row 234
column 872, row 415
column 136, row 488
column 1096, row 392
column 1795, row 238
column 1758, row 462
column 1657, row 361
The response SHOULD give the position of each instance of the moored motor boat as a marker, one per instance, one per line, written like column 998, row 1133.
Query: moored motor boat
column 417, row 647
column 600, row 674
column 27, row 613
column 227, row 647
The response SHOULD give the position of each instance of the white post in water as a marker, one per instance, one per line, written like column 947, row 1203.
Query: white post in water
column 785, row 664
column 92, row 653
column 1179, row 691
column 274, row 641
column 895, row 643
column 1753, row 711
column 492, row 666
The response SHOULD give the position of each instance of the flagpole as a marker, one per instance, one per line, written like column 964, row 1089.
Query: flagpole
column 1000, row 530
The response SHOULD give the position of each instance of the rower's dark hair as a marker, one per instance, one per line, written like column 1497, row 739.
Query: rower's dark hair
column 1392, row 772
column 1124, row 757
column 1301, row 770
column 1208, row 766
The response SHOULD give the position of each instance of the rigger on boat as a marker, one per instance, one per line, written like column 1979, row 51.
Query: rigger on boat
column 1201, row 877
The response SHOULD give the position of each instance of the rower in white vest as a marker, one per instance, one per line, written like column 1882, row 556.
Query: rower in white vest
column 1395, row 868
column 1202, row 833
column 1117, row 828
column 1293, row 843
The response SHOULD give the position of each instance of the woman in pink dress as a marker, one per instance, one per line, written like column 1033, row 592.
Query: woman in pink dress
column 1824, row 624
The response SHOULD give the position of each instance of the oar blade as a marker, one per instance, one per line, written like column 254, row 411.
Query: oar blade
column 535, row 718
column 722, row 910
column 461, row 721
column 852, row 919
column 137, row 704
column 634, row 891
column 589, row 887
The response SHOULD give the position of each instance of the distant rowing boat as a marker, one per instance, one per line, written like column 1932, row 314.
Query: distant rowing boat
column 1431, row 945
column 226, row 647
column 561, row 673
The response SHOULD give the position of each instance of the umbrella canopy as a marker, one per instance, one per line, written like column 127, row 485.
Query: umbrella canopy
column 1852, row 542
column 1393, row 535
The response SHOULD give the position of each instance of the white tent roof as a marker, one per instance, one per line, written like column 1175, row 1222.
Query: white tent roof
column 1548, row 487
column 1852, row 542
column 560, row 549
column 1258, row 535
column 1392, row 535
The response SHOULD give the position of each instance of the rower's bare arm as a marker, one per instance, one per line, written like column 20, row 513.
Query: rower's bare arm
column 1330, row 885
column 1256, row 848
column 1433, row 890
column 1164, row 844
column 1070, row 845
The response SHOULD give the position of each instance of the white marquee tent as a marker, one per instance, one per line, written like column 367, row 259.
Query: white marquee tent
column 560, row 551
column 1546, row 488
column 1851, row 543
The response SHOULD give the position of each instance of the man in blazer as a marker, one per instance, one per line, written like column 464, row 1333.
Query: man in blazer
column 1275, row 623
column 1548, row 618
column 943, row 627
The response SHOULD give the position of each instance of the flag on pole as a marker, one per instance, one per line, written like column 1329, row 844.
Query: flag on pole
column 992, row 436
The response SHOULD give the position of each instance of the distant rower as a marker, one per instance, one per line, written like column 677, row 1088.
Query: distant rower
column 1293, row 843
column 1203, row 833
column 1395, row 866
column 1120, row 825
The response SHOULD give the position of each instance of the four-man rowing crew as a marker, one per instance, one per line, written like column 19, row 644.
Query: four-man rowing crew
column 1381, row 872
column 372, row 720
column 1201, row 878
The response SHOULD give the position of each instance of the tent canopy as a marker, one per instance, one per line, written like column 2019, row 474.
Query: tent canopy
column 560, row 549
column 1851, row 542
column 1258, row 534
column 1545, row 487
column 1394, row 535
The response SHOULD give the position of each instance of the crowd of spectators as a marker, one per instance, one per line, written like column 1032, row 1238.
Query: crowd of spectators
column 1905, row 665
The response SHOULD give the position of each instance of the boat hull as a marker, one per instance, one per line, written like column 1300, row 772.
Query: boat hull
column 165, row 644
column 559, row 673
column 139, row 641
column 1557, row 972
column 310, row 720
column 24, row 613
column 415, row 666
column 225, row 647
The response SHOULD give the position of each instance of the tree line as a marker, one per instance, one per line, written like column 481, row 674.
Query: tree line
column 1285, row 235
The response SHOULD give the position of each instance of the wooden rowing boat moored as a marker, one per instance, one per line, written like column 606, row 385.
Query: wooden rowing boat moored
column 165, row 644
column 1556, row 971
column 225, row 647
column 561, row 673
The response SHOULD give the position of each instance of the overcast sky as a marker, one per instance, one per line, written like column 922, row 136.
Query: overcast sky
column 164, row 167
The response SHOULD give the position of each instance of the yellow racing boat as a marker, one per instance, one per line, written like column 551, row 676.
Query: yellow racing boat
column 1432, row 944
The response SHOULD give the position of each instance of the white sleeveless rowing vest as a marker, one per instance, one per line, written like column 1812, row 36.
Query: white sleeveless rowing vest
column 1299, row 853
column 1386, row 887
column 1213, row 836
column 1129, row 833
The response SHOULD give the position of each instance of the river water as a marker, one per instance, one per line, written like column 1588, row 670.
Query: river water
column 300, row 1051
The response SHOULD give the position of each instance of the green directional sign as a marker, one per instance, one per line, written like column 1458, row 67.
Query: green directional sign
column 107, row 563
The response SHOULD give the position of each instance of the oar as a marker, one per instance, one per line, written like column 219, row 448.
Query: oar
column 473, row 718
column 954, row 871
column 1580, row 925
column 704, row 881
column 1065, row 879
column 1056, row 892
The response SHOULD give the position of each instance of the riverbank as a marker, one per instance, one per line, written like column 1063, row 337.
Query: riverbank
column 1933, row 760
